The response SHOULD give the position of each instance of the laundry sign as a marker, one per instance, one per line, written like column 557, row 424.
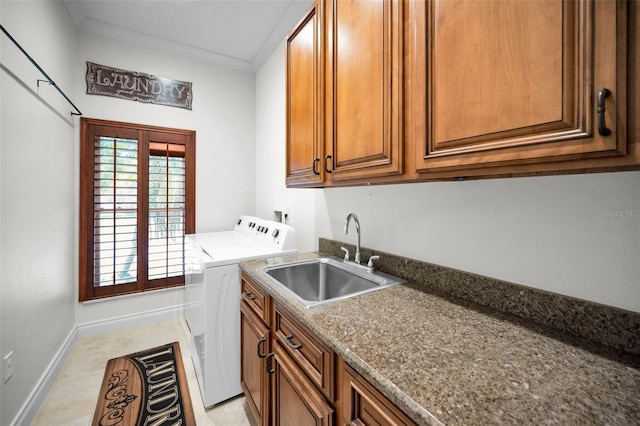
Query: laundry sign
column 137, row 86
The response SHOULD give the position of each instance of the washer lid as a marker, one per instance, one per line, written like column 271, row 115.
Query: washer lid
column 232, row 249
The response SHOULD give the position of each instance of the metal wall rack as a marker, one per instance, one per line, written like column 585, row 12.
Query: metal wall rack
column 48, row 79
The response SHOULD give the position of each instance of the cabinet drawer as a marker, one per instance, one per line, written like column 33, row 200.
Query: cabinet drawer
column 314, row 357
column 296, row 400
column 256, row 298
column 362, row 404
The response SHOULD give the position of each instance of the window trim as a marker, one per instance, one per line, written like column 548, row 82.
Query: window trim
column 144, row 134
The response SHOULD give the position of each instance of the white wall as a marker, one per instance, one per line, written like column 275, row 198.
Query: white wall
column 271, row 193
column 2, row 76
column 37, row 192
column 560, row 234
column 223, row 117
column 39, row 178
column 575, row 235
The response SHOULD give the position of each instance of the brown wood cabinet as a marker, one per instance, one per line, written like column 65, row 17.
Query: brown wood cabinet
column 255, row 344
column 362, row 404
column 413, row 90
column 497, row 83
column 291, row 377
column 304, row 100
column 344, row 93
column 295, row 400
column 311, row 354
column 286, row 371
column 363, row 81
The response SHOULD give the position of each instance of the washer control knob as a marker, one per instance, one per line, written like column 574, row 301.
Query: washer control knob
column 275, row 233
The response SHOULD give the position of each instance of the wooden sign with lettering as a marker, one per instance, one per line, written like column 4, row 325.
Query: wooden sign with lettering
column 137, row 86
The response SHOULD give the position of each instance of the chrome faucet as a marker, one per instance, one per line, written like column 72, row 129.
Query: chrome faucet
column 346, row 231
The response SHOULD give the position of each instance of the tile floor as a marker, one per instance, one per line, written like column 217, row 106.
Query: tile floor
column 73, row 396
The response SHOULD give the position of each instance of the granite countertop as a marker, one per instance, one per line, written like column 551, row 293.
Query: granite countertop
column 448, row 363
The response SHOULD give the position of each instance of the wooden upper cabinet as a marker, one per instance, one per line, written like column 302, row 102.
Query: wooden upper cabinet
column 499, row 83
column 364, row 88
column 304, row 86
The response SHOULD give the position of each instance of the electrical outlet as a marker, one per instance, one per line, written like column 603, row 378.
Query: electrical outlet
column 8, row 366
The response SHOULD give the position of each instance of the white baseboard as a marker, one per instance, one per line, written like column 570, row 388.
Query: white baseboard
column 37, row 396
column 108, row 325
column 29, row 409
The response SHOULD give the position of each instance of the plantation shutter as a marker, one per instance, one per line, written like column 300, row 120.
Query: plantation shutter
column 167, row 182
column 115, row 211
column 137, row 203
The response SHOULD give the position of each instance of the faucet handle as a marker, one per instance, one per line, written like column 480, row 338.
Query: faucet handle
column 371, row 260
column 346, row 253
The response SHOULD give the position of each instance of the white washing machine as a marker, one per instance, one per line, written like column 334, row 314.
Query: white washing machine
column 212, row 305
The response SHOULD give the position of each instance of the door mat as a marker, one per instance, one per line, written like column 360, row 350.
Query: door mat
column 145, row 388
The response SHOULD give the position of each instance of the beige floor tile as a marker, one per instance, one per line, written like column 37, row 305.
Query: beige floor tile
column 73, row 396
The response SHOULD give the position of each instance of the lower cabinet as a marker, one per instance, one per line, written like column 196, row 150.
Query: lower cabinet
column 362, row 404
column 255, row 345
column 291, row 377
column 295, row 400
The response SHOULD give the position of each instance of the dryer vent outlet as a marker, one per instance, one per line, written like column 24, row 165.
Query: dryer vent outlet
column 281, row 216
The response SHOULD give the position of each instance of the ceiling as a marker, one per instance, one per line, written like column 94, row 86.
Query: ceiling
column 240, row 34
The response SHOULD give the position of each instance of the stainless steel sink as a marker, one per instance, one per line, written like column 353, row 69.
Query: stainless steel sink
column 327, row 279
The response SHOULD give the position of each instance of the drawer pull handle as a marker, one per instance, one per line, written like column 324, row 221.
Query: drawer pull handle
column 249, row 296
column 602, row 127
column 269, row 369
column 315, row 163
column 326, row 159
column 287, row 340
column 261, row 355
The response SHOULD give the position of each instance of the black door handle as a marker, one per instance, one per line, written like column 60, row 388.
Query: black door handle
column 268, row 364
column 602, row 127
column 326, row 169
column 261, row 355
column 289, row 343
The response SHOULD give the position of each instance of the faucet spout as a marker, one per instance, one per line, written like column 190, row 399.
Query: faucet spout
column 346, row 231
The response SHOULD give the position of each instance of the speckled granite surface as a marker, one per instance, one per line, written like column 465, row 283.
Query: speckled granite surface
column 604, row 324
column 457, row 363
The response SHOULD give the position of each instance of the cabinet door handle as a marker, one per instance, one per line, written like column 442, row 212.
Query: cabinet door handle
column 249, row 296
column 326, row 158
column 602, row 127
column 315, row 163
column 267, row 363
column 261, row 355
column 287, row 340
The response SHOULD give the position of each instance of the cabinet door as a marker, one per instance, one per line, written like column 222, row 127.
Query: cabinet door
column 255, row 342
column 516, row 82
column 314, row 357
column 364, row 88
column 363, row 405
column 304, row 99
column 295, row 400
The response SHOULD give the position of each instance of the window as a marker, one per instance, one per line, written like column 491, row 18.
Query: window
column 137, row 202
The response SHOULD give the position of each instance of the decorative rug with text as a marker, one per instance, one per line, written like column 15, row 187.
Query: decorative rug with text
column 145, row 388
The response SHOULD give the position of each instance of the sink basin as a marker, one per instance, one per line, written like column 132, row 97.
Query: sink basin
column 327, row 279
